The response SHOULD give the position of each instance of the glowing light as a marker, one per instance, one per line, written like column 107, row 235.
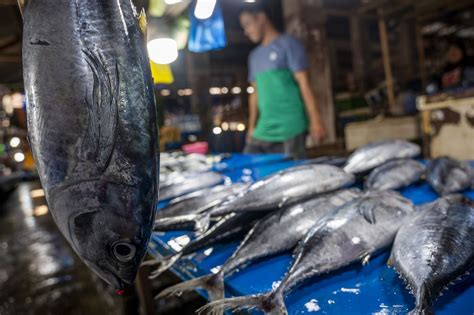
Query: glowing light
column 181, row 92
column 171, row 2
column 217, row 130
column 215, row 91
column 250, row 89
column 15, row 142
column 8, row 104
column 37, row 193
column 225, row 126
column 204, row 9
column 40, row 210
column 224, row 90
column 250, row 1
column 236, row 90
column 17, row 100
column 241, row 127
column 188, row 92
column 162, row 50
column 19, row 157
column 165, row 92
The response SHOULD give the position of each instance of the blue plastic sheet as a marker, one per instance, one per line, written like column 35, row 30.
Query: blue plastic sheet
column 209, row 34
column 356, row 289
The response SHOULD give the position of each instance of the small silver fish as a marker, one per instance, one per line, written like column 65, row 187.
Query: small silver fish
column 286, row 188
column 447, row 175
column 189, row 185
column 435, row 248
column 375, row 154
column 395, row 174
column 194, row 203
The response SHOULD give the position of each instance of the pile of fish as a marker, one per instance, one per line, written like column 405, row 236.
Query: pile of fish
column 349, row 233
column 179, row 212
column 93, row 132
column 327, row 225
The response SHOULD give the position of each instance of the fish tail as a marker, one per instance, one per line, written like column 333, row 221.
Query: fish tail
column 423, row 305
column 164, row 265
column 202, row 223
column 421, row 310
column 270, row 303
column 213, row 284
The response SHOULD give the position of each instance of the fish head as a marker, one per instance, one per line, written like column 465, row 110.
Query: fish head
column 108, row 225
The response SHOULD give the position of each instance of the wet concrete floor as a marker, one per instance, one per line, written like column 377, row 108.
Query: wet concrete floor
column 39, row 272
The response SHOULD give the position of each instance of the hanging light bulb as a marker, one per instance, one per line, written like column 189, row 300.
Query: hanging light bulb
column 204, row 9
column 162, row 50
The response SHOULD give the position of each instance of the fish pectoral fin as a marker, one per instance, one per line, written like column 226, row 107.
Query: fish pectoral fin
column 99, row 139
column 365, row 260
column 368, row 212
column 283, row 202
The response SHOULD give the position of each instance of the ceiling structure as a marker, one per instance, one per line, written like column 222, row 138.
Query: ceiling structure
column 425, row 11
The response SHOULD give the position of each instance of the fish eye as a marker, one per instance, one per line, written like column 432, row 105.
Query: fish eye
column 123, row 251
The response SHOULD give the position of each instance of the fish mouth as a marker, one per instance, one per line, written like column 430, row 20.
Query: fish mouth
column 113, row 280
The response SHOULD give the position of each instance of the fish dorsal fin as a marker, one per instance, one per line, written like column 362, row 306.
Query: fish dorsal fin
column 365, row 260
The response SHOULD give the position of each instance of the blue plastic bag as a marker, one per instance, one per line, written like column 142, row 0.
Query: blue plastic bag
column 208, row 34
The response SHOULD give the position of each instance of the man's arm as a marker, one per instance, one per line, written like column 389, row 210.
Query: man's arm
column 317, row 130
column 253, row 112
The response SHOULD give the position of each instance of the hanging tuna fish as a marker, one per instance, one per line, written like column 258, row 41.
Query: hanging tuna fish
column 92, row 128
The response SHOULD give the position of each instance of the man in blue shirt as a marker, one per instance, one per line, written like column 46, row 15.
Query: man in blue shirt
column 283, row 108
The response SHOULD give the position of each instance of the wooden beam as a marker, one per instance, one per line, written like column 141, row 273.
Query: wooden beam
column 373, row 5
column 307, row 21
column 10, row 59
column 384, row 44
column 358, row 60
column 386, row 58
column 421, row 54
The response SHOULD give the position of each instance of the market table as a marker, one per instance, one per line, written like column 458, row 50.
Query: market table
column 371, row 289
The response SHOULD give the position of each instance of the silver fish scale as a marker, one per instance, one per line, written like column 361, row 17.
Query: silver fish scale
column 200, row 181
column 197, row 202
column 435, row 247
column 287, row 187
column 375, row 154
column 281, row 231
column 350, row 233
column 395, row 174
